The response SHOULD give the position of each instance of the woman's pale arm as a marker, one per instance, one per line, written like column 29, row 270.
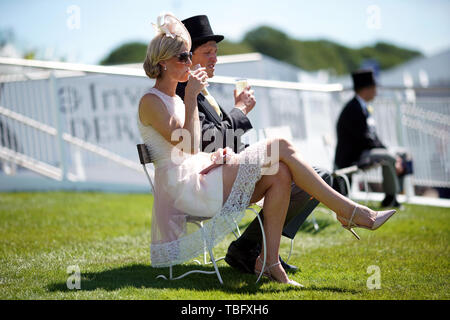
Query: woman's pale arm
column 192, row 122
column 152, row 112
column 196, row 83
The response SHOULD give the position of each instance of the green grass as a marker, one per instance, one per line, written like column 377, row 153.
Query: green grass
column 107, row 236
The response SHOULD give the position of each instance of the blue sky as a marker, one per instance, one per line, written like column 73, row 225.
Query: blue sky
column 51, row 28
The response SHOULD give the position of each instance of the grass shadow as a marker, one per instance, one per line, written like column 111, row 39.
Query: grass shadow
column 141, row 276
column 144, row 276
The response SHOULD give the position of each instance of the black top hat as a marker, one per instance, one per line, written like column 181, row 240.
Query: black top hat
column 200, row 31
column 363, row 78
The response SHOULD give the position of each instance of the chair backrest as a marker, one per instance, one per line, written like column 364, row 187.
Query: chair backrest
column 145, row 157
column 144, row 154
column 329, row 147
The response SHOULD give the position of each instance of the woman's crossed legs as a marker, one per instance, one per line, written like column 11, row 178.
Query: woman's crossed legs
column 275, row 189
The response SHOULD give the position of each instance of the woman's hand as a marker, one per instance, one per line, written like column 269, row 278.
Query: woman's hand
column 399, row 165
column 218, row 158
column 198, row 79
column 222, row 156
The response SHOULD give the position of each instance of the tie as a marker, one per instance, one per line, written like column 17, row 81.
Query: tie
column 212, row 101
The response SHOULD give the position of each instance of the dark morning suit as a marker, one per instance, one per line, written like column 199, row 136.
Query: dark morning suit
column 358, row 143
column 218, row 125
column 300, row 206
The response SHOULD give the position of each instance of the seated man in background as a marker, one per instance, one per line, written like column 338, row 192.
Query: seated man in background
column 358, row 142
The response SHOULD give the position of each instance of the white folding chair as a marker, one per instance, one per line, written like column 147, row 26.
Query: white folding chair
column 146, row 158
column 344, row 173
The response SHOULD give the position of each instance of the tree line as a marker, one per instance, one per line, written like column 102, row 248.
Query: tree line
column 308, row 55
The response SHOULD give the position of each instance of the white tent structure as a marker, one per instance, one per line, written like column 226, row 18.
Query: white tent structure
column 425, row 72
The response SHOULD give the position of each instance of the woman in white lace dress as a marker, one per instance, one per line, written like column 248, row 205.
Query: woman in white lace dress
column 224, row 190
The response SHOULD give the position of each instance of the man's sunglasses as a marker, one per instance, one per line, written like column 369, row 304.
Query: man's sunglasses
column 184, row 57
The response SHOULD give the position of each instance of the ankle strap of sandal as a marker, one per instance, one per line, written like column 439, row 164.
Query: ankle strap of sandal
column 273, row 265
column 267, row 268
column 350, row 222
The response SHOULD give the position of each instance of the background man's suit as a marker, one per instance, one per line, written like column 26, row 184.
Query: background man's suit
column 359, row 144
column 354, row 135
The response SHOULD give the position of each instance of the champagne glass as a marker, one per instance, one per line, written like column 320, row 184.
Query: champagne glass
column 198, row 66
column 241, row 84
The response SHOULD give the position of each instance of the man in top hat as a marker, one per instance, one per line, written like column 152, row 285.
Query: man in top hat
column 358, row 142
column 213, row 118
column 216, row 123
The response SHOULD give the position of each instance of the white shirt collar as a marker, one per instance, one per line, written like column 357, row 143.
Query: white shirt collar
column 362, row 102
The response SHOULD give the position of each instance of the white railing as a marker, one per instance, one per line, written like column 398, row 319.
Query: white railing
column 83, row 121
column 70, row 139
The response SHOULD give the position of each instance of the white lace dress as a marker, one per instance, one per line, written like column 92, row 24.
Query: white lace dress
column 181, row 191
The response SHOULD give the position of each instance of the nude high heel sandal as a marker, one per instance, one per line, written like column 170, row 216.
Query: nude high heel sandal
column 268, row 274
column 382, row 217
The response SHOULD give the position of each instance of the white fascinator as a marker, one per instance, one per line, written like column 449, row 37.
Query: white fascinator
column 169, row 25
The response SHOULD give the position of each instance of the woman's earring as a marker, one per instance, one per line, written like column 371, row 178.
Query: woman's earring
column 165, row 68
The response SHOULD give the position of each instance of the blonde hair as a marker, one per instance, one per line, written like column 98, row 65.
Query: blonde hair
column 159, row 49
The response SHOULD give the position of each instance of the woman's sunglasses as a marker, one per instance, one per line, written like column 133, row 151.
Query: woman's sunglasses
column 184, row 57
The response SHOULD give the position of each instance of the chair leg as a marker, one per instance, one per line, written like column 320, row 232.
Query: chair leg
column 234, row 225
column 366, row 187
column 216, row 271
column 290, row 251
column 186, row 274
column 205, row 252
column 347, row 185
column 164, row 277
column 215, row 265
column 206, row 249
column 316, row 226
column 237, row 228
column 211, row 255
column 204, row 246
